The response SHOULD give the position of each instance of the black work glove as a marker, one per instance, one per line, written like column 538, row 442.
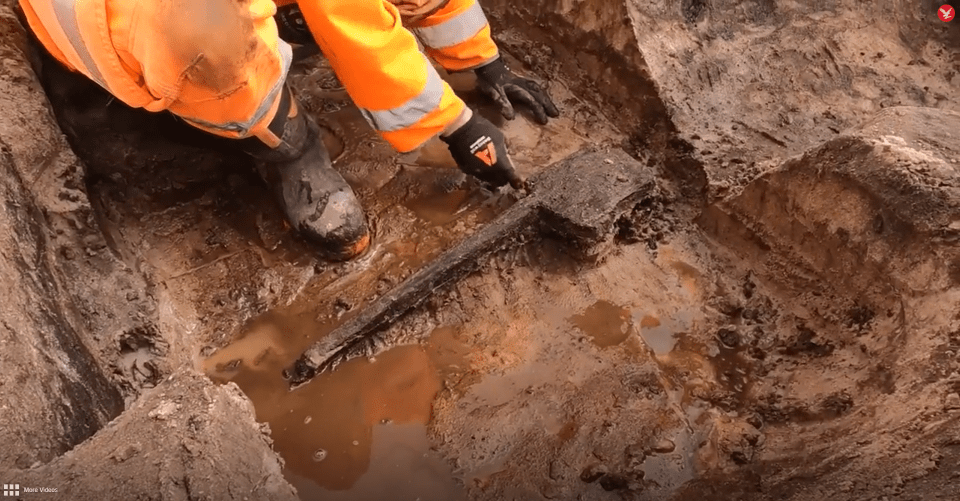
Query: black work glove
column 480, row 150
column 505, row 87
column 292, row 27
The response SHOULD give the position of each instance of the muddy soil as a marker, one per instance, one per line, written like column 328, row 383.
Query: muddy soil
column 67, row 304
column 795, row 361
column 744, row 85
column 779, row 323
column 171, row 444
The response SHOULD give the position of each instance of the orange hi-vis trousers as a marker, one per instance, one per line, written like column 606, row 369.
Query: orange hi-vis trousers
column 221, row 66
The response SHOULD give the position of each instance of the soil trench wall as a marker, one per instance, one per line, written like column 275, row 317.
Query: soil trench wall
column 188, row 438
column 728, row 89
column 879, row 205
column 66, row 302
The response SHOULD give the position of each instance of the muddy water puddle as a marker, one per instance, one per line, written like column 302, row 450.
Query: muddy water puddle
column 606, row 323
column 362, row 432
column 399, row 469
column 441, row 208
column 688, row 359
column 661, row 335
column 609, row 325
column 359, row 433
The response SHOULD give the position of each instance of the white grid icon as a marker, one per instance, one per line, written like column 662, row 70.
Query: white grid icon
column 11, row 490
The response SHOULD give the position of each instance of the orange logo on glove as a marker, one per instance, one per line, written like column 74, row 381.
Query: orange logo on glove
column 488, row 154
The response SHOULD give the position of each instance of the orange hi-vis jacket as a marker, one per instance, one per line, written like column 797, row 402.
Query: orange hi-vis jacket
column 220, row 65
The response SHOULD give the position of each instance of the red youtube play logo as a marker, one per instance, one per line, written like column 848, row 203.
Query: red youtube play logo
column 946, row 13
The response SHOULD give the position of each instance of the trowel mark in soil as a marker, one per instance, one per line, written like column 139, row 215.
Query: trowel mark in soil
column 357, row 433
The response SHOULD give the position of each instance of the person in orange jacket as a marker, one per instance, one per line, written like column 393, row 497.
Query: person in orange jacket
column 221, row 65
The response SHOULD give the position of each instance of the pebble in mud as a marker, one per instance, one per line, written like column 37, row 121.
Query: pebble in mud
column 664, row 446
column 319, row 455
column 755, row 420
column 952, row 402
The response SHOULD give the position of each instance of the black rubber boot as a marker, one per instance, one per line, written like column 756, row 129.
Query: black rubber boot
column 316, row 199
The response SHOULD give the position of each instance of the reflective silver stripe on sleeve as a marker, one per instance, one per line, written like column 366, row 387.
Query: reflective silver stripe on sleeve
column 286, row 57
column 453, row 31
column 67, row 16
column 412, row 111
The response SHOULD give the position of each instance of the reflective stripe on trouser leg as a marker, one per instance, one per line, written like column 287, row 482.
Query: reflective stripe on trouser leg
column 453, row 31
column 458, row 36
column 242, row 129
column 412, row 111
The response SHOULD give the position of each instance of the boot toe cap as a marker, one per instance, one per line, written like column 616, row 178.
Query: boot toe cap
column 341, row 228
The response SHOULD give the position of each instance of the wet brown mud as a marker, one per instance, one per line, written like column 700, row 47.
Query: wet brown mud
column 450, row 362
column 418, row 210
column 570, row 375
column 419, row 204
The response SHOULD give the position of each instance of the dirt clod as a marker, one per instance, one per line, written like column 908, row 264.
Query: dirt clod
column 952, row 402
column 593, row 472
column 633, row 456
column 729, row 337
column 614, row 482
column 180, row 446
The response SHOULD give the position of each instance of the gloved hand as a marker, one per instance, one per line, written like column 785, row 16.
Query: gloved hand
column 503, row 86
column 480, row 150
column 291, row 25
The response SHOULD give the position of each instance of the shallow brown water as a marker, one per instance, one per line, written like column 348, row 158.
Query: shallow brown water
column 355, row 434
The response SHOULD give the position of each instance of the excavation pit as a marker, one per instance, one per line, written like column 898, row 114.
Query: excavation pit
column 777, row 321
